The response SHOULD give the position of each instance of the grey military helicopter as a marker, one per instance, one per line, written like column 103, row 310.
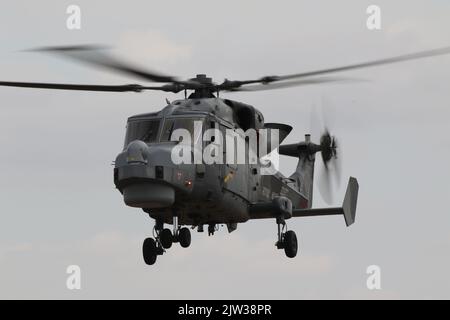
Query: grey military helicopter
column 200, row 194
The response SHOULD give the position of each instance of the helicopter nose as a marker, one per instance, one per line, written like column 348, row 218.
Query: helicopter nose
column 141, row 180
column 148, row 195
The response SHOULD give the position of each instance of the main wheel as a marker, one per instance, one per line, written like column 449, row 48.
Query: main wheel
column 290, row 244
column 184, row 237
column 166, row 238
column 149, row 251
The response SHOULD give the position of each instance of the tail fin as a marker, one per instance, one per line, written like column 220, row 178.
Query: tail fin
column 350, row 200
column 348, row 209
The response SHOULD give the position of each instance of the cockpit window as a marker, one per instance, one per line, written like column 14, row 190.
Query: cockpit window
column 144, row 130
column 170, row 125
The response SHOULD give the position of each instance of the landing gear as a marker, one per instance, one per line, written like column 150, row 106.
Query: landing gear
column 290, row 244
column 181, row 235
column 164, row 238
column 152, row 248
column 149, row 251
column 286, row 240
column 184, row 237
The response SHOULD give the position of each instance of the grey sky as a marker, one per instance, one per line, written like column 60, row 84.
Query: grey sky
column 59, row 206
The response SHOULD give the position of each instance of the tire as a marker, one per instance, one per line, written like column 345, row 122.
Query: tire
column 166, row 238
column 184, row 237
column 290, row 244
column 149, row 251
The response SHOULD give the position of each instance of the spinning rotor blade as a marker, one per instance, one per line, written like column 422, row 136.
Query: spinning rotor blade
column 406, row 57
column 329, row 175
column 96, row 55
column 288, row 84
column 325, row 186
column 86, row 87
column 337, row 163
column 265, row 81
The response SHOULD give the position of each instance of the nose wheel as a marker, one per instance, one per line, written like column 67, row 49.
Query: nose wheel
column 150, row 251
column 164, row 238
column 287, row 240
column 184, row 237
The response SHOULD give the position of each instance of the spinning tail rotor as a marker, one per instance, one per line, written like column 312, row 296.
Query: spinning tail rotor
column 330, row 151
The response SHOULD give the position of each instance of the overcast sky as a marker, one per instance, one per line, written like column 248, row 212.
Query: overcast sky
column 58, row 204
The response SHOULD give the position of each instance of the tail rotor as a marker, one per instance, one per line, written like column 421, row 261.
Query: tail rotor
column 329, row 177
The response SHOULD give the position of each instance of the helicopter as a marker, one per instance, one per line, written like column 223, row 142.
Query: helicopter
column 194, row 195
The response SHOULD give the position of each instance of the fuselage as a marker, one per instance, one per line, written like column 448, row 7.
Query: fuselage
column 197, row 192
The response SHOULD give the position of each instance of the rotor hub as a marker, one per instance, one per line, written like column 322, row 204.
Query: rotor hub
column 202, row 78
column 328, row 147
column 206, row 88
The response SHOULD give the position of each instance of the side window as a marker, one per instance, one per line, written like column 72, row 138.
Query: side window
column 167, row 129
column 170, row 125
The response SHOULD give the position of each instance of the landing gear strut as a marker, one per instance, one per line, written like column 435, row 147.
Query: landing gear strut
column 181, row 235
column 286, row 240
column 164, row 238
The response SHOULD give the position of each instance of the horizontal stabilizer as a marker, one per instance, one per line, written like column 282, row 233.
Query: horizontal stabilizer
column 348, row 208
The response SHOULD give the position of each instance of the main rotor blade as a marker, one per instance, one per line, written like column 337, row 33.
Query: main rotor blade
column 236, row 85
column 401, row 58
column 288, row 84
column 96, row 56
column 81, row 87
